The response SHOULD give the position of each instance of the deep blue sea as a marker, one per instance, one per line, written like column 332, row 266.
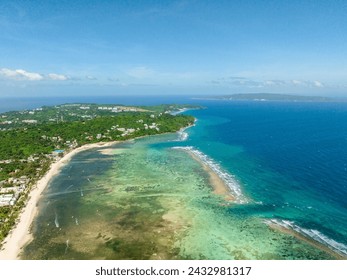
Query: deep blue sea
column 289, row 158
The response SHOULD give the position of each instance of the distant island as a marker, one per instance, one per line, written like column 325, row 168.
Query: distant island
column 270, row 97
column 32, row 140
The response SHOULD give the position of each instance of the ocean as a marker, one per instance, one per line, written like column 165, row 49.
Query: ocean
column 284, row 162
column 291, row 158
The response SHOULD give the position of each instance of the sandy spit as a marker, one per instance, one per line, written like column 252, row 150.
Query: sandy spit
column 219, row 186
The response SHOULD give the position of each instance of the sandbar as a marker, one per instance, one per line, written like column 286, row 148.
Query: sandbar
column 219, row 186
column 308, row 240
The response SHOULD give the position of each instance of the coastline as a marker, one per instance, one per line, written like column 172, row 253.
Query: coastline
column 20, row 235
column 218, row 185
column 220, row 188
column 310, row 241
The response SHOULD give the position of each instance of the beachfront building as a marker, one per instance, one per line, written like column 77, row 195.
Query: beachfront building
column 9, row 199
column 11, row 189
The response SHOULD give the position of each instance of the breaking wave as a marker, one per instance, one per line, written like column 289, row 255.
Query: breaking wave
column 182, row 135
column 316, row 235
column 226, row 177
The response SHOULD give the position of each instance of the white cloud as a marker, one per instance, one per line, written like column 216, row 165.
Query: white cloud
column 307, row 83
column 251, row 83
column 57, row 77
column 318, row 84
column 23, row 75
column 20, row 74
column 92, row 78
column 140, row 72
column 275, row 83
column 238, row 82
column 297, row 82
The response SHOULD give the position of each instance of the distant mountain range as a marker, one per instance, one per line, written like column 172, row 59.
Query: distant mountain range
column 270, row 97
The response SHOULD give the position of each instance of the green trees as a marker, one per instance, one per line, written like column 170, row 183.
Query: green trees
column 26, row 150
column 17, row 145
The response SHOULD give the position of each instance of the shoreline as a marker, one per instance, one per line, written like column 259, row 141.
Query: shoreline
column 308, row 240
column 218, row 185
column 21, row 234
column 220, row 188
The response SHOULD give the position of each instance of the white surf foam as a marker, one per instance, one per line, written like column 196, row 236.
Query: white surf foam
column 316, row 235
column 182, row 135
column 226, row 177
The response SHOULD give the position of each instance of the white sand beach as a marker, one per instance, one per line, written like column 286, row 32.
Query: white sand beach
column 20, row 235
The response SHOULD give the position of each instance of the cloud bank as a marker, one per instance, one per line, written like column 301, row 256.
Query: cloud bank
column 23, row 75
column 20, row 74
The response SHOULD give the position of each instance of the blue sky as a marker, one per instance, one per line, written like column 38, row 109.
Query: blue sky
column 51, row 48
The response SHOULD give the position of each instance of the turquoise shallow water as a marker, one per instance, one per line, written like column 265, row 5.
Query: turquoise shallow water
column 148, row 202
column 146, row 199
